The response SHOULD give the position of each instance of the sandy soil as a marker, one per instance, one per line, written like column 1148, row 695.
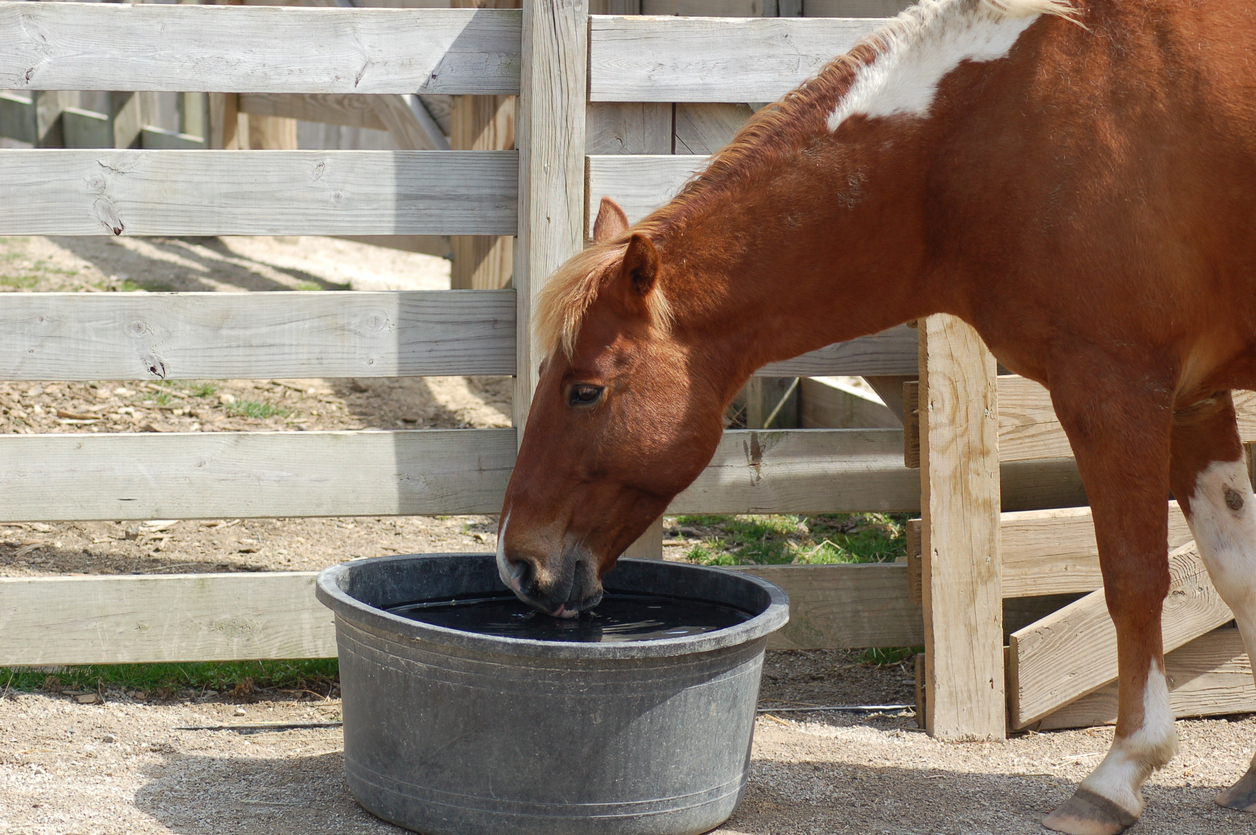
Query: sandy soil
column 122, row 765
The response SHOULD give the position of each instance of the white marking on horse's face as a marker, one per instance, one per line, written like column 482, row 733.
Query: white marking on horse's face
column 503, row 567
column 1223, row 520
column 1131, row 759
column 924, row 45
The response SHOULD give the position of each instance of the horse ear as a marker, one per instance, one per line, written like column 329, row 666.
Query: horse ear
column 641, row 265
column 611, row 222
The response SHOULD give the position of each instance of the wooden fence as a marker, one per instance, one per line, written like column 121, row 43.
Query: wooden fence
column 538, row 193
column 618, row 105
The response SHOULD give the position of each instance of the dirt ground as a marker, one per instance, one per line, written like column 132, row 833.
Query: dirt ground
column 123, row 765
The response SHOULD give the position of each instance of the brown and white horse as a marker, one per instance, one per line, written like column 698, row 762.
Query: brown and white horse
column 1075, row 180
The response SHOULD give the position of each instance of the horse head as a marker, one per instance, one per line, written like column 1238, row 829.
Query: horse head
column 621, row 421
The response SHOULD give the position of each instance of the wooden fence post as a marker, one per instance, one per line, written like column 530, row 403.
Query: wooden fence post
column 962, row 591
column 549, row 130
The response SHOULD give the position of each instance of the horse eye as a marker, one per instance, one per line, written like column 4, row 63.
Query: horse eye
column 584, row 395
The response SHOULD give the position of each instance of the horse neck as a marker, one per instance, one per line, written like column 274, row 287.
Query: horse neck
column 823, row 243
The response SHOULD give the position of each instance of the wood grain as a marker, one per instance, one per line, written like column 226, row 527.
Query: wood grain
column 239, row 475
column 1210, row 676
column 804, row 471
column 349, row 110
column 963, row 601
column 1054, row 551
column 892, row 351
column 1073, row 652
column 191, row 336
column 168, row 618
column 222, row 617
column 105, row 46
column 550, row 132
column 258, row 192
column 712, row 59
column 844, row 606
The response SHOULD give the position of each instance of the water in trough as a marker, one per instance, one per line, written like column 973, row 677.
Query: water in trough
column 621, row 616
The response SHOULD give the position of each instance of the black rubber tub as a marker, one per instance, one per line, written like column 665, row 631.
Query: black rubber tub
column 461, row 733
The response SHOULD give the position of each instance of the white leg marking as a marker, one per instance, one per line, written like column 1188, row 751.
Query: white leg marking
column 922, row 47
column 1132, row 759
column 1223, row 520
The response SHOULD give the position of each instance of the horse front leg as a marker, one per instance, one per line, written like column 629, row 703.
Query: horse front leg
column 1120, row 437
column 1210, row 480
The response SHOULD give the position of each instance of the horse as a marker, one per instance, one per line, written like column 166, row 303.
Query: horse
column 1075, row 179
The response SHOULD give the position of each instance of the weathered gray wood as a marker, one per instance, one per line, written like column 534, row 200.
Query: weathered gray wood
column 549, row 131
column 959, row 476
column 411, row 126
column 71, row 46
column 156, row 139
column 1210, row 676
column 712, row 59
column 804, row 471
column 85, row 129
column 830, row 403
column 138, row 336
column 853, row 8
column 17, row 118
column 335, row 109
column 219, row 474
column 706, row 128
column 844, row 606
column 258, row 192
column 629, row 128
column 638, row 183
column 178, row 617
column 159, row 476
column 222, row 617
column 1073, row 652
column 892, row 351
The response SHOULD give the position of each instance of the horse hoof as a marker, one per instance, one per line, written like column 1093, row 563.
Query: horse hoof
column 1242, row 795
column 1087, row 813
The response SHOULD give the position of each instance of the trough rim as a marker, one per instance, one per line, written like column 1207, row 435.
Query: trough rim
column 330, row 583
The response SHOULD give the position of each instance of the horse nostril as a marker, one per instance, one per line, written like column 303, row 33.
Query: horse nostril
column 521, row 573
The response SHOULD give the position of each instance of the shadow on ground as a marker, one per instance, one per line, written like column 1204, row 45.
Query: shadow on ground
column 199, row 795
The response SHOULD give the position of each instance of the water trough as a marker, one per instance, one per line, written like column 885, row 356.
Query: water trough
column 452, row 731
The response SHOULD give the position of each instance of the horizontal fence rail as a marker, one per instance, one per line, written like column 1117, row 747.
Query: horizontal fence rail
column 255, row 49
column 213, row 617
column 78, row 477
column 262, row 336
column 192, row 336
column 661, row 59
column 105, row 192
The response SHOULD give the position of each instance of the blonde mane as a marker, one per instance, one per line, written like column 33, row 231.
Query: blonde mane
column 563, row 302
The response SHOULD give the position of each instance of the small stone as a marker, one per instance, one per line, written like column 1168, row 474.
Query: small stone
column 108, row 739
column 226, row 399
column 87, row 699
column 239, row 711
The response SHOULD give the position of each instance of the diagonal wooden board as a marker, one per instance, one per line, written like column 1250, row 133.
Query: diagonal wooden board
column 1073, row 651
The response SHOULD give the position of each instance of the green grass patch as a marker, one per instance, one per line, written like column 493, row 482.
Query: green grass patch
column 256, row 409
column 164, row 681
column 822, row 539
column 24, row 281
